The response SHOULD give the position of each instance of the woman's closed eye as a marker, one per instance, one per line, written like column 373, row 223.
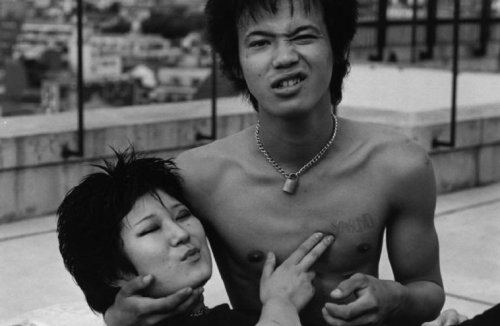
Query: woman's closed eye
column 149, row 229
column 183, row 214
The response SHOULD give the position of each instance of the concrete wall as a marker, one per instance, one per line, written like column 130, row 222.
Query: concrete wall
column 34, row 177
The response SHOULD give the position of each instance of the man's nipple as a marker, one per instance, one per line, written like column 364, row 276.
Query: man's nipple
column 364, row 248
column 255, row 256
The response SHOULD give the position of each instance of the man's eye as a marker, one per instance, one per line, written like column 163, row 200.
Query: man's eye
column 305, row 38
column 257, row 44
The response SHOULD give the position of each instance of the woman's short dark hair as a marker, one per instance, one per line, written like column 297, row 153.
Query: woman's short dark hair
column 223, row 16
column 90, row 220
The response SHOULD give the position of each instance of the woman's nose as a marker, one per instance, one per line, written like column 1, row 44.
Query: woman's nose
column 178, row 235
column 285, row 55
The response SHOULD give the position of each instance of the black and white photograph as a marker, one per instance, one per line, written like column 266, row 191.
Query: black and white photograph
column 249, row 162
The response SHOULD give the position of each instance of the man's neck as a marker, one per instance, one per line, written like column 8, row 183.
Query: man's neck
column 293, row 142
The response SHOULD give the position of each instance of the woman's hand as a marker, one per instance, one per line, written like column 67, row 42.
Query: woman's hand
column 447, row 318
column 291, row 281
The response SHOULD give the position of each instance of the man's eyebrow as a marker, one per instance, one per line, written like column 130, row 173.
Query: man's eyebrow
column 310, row 28
column 296, row 31
column 257, row 33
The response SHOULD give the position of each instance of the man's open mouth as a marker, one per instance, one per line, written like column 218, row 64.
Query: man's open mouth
column 288, row 81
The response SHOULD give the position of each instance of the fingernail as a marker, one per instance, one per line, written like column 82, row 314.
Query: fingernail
column 330, row 238
column 270, row 255
column 318, row 235
column 147, row 278
column 336, row 293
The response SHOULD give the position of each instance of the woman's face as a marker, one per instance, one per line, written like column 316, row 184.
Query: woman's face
column 162, row 238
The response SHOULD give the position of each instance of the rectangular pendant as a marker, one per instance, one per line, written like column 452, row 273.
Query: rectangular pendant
column 290, row 185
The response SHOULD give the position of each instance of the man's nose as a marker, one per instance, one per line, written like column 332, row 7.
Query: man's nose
column 177, row 235
column 285, row 55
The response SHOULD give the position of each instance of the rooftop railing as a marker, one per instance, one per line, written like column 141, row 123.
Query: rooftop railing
column 424, row 19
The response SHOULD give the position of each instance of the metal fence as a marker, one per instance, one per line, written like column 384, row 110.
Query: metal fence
column 389, row 30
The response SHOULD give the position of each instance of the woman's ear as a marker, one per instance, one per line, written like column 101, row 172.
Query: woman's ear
column 123, row 278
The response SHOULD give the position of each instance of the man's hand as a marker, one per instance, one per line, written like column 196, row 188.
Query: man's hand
column 131, row 308
column 447, row 318
column 369, row 301
column 291, row 281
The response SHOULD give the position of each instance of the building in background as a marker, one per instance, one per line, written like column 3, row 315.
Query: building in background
column 496, row 6
column 37, row 37
column 120, row 59
column 9, row 32
column 130, row 49
column 13, row 9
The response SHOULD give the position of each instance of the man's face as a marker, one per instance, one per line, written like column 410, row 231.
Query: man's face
column 286, row 59
column 165, row 240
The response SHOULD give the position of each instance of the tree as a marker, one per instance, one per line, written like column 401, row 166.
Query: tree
column 174, row 24
column 90, row 7
column 119, row 26
column 114, row 8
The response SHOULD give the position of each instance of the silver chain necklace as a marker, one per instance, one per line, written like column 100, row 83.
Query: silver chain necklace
column 292, row 179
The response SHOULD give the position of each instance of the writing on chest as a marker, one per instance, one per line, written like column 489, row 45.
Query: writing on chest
column 250, row 231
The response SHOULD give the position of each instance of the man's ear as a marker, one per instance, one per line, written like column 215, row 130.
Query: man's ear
column 238, row 73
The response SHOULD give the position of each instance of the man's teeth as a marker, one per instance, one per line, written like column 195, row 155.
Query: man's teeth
column 289, row 83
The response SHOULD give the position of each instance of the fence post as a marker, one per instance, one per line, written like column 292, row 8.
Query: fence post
column 431, row 26
column 381, row 31
column 66, row 150
column 484, row 31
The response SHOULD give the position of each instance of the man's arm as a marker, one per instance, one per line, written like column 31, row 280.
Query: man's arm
column 417, row 294
column 412, row 241
column 132, row 308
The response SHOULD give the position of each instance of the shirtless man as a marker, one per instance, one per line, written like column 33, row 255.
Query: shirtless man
column 302, row 170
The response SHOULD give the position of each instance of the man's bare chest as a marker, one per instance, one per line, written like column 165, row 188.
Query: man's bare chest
column 255, row 221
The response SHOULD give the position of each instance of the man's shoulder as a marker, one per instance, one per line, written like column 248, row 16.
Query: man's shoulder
column 387, row 147
column 377, row 135
column 396, row 161
column 213, row 155
column 220, row 146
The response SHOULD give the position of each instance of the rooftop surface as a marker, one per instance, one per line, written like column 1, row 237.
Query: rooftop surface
column 418, row 89
column 35, row 286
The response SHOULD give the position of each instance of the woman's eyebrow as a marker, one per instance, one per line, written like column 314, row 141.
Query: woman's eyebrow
column 143, row 219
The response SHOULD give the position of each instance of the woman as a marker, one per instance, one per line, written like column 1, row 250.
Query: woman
column 131, row 219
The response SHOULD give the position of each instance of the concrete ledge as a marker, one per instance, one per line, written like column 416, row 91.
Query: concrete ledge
column 37, row 140
column 34, row 177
